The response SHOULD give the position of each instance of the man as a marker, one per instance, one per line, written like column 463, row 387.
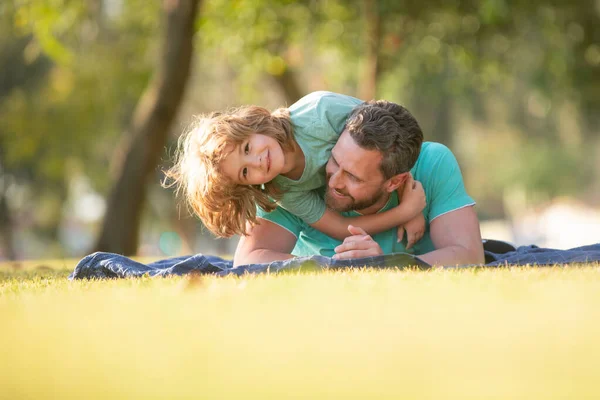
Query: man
column 378, row 150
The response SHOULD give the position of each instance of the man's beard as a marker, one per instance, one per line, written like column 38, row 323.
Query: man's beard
column 349, row 203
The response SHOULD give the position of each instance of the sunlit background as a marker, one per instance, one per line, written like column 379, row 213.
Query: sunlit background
column 511, row 86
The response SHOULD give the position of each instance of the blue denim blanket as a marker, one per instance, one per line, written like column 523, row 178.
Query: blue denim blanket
column 109, row 265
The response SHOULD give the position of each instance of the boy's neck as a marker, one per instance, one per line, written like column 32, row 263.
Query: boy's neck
column 294, row 163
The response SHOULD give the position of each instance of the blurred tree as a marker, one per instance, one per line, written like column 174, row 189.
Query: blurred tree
column 60, row 117
column 368, row 81
column 149, row 130
column 263, row 41
column 512, row 85
column 18, row 70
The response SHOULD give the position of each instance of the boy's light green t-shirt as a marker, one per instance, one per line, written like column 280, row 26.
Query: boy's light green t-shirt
column 438, row 171
column 318, row 120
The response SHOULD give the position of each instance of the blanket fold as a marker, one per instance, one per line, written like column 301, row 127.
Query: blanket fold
column 102, row 265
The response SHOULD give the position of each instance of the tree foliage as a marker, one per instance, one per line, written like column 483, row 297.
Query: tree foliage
column 513, row 86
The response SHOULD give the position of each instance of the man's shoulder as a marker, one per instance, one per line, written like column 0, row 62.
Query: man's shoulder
column 433, row 150
column 433, row 155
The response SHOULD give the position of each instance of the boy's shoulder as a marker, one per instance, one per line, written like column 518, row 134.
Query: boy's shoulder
column 323, row 98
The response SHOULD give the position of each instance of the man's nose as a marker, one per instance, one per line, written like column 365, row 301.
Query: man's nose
column 334, row 180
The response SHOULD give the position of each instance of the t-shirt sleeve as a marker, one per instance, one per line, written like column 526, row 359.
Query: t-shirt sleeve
column 445, row 188
column 306, row 205
column 283, row 218
column 334, row 110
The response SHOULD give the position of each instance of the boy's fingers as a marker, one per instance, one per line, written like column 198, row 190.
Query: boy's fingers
column 410, row 182
column 414, row 238
column 400, row 233
column 411, row 240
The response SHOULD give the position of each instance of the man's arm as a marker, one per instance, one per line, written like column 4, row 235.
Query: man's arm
column 265, row 242
column 457, row 239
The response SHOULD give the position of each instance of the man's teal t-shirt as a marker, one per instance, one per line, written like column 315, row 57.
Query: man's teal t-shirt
column 439, row 173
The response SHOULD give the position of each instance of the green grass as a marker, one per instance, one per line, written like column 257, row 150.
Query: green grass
column 519, row 333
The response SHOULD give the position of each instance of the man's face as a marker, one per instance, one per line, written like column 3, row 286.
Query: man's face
column 354, row 179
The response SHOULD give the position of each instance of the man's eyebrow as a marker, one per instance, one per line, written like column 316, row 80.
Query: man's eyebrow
column 333, row 158
column 345, row 170
column 354, row 176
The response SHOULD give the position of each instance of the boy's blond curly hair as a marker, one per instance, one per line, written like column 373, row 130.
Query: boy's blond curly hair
column 224, row 206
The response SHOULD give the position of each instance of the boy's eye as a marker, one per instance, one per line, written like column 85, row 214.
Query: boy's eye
column 245, row 172
column 247, row 148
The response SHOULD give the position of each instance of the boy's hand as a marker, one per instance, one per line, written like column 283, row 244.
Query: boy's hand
column 415, row 229
column 412, row 196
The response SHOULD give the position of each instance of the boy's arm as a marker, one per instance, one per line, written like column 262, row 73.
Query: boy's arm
column 412, row 203
column 336, row 225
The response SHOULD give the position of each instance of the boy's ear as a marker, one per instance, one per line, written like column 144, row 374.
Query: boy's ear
column 395, row 182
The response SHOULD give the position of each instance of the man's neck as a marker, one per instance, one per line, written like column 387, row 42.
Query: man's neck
column 376, row 207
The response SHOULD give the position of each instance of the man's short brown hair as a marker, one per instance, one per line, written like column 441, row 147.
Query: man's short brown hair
column 389, row 128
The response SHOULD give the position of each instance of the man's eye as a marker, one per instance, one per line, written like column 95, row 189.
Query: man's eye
column 245, row 172
column 247, row 149
column 353, row 178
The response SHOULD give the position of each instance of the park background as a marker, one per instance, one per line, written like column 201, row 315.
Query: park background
column 94, row 93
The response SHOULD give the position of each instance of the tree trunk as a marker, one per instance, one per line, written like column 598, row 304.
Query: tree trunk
column 149, row 130
column 368, row 84
column 6, row 227
column 442, row 126
column 288, row 84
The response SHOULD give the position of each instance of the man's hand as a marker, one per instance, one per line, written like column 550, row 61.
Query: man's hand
column 415, row 229
column 360, row 244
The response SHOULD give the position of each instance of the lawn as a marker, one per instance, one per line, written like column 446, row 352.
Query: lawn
column 507, row 333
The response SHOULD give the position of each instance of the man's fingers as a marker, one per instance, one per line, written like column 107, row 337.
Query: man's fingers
column 355, row 230
column 356, row 245
column 355, row 254
column 357, row 238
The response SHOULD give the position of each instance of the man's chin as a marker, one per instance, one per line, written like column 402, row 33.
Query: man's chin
column 338, row 204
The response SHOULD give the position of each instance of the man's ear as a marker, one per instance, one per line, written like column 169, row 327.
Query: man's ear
column 395, row 182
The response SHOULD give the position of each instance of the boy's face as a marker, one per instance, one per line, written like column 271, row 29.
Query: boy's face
column 257, row 160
